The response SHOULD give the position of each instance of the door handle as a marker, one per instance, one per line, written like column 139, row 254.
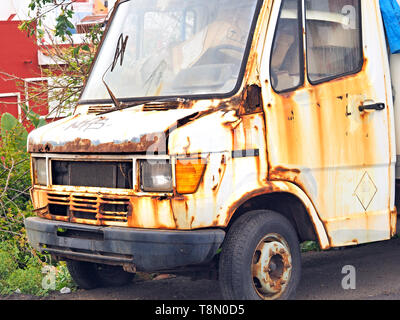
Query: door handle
column 375, row 106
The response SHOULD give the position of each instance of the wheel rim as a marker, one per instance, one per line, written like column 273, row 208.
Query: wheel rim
column 271, row 267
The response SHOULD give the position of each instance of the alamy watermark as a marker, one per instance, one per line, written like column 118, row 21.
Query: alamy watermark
column 349, row 280
column 351, row 13
column 49, row 279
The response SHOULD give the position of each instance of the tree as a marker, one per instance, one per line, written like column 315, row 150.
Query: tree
column 71, row 60
column 64, row 83
column 42, row 7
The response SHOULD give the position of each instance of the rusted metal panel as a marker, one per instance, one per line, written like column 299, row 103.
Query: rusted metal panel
column 229, row 133
column 141, row 212
column 271, row 267
column 340, row 157
column 313, row 143
column 127, row 131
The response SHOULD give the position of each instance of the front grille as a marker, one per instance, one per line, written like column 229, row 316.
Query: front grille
column 101, row 174
column 100, row 209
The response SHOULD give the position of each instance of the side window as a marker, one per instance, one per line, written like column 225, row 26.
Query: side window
column 287, row 50
column 334, row 44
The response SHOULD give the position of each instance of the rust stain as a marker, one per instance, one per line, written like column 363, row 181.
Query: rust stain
column 293, row 141
column 147, row 142
column 269, row 188
column 247, row 101
column 186, row 148
column 393, row 221
column 252, row 100
column 86, row 207
column 191, row 221
column 283, row 174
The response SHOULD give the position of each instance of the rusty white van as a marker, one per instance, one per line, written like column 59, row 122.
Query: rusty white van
column 215, row 136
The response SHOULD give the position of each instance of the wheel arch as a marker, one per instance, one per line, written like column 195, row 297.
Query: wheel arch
column 291, row 202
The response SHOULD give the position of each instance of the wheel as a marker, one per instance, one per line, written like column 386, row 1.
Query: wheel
column 260, row 258
column 89, row 275
column 113, row 276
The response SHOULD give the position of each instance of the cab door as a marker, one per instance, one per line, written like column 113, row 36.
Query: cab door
column 329, row 113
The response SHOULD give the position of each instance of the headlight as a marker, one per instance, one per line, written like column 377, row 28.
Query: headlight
column 156, row 176
column 39, row 171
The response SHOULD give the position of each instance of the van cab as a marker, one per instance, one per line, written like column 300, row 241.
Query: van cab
column 218, row 135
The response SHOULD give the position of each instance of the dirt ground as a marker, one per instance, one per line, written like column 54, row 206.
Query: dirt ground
column 377, row 278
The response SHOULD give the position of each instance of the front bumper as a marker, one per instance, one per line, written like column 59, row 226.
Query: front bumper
column 147, row 249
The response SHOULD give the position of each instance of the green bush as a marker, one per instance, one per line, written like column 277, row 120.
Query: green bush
column 15, row 182
column 63, row 278
column 309, row 246
column 7, row 265
column 27, row 275
column 21, row 267
column 25, row 281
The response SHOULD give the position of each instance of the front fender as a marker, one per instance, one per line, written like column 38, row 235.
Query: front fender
column 241, row 196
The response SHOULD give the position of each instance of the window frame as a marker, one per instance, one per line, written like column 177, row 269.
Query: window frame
column 206, row 96
column 341, row 75
column 301, row 48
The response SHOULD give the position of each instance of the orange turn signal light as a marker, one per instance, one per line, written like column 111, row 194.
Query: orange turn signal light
column 188, row 174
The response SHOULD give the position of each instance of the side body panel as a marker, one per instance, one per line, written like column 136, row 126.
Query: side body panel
column 312, row 142
column 343, row 159
column 395, row 74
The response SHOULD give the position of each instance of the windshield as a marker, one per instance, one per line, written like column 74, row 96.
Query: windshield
column 163, row 48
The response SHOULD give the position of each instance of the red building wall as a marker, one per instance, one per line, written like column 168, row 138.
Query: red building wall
column 18, row 57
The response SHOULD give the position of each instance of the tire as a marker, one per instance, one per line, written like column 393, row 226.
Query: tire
column 89, row 275
column 113, row 276
column 260, row 258
column 84, row 274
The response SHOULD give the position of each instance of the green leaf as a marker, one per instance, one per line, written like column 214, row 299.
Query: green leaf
column 10, row 125
column 42, row 122
column 33, row 117
column 76, row 51
column 69, row 24
column 85, row 48
column 23, row 25
column 40, row 33
column 70, row 13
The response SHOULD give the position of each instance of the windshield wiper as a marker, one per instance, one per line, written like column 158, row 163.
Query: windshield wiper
column 117, row 103
column 121, row 105
column 119, row 51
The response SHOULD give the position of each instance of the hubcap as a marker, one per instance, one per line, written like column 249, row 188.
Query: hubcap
column 271, row 266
